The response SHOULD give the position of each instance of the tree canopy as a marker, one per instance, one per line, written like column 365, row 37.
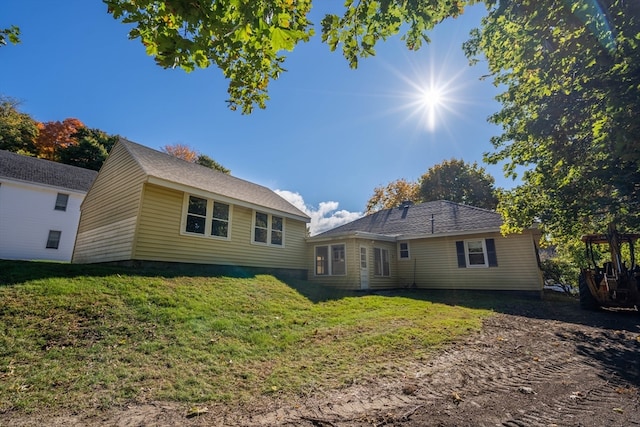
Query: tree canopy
column 18, row 130
column 453, row 180
column 89, row 149
column 392, row 195
column 247, row 39
column 571, row 73
column 460, row 182
column 11, row 34
column 186, row 153
column 56, row 135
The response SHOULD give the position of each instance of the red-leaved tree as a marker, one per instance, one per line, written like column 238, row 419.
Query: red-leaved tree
column 56, row 135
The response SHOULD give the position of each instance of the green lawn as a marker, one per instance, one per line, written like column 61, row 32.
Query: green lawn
column 80, row 336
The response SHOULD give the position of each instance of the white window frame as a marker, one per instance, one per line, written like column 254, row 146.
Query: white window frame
column 330, row 260
column 400, row 251
column 62, row 207
column 269, row 230
column 380, row 262
column 208, row 218
column 485, row 254
column 53, row 243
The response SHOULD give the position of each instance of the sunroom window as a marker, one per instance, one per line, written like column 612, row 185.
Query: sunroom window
column 331, row 260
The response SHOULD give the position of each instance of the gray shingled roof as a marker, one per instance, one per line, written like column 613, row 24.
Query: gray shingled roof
column 31, row 169
column 169, row 168
column 415, row 220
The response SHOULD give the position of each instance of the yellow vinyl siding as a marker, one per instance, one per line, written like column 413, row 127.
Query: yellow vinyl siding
column 352, row 279
column 112, row 242
column 159, row 237
column 434, row 264
column 383, row 282
column 109, row 211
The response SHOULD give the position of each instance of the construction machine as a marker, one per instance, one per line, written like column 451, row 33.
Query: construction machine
column 615, row 283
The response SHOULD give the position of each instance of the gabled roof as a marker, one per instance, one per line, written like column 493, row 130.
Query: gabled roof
column 172, row 169
column 40, row 171
column 410, row 221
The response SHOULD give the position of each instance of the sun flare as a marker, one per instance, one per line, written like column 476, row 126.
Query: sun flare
column 433, row 91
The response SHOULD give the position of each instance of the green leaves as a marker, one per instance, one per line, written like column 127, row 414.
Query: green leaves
column 366, row 22
column 243, row 38
column 566, row 112
column 12, row 34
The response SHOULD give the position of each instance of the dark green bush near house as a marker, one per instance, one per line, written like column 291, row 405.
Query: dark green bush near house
column 560, row 272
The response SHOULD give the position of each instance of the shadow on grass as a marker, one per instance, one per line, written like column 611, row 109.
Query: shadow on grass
column 553, row 306
column 614, row 345
column 16, row 272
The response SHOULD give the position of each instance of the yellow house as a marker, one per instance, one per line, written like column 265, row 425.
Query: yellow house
column 147, row 206
column 433, row 245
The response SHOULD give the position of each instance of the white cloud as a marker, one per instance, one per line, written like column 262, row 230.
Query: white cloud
column 325, row 217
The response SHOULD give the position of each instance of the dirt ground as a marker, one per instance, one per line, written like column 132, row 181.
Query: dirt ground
column 544, row 363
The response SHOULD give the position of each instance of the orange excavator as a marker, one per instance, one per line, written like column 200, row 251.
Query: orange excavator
column 616, row 282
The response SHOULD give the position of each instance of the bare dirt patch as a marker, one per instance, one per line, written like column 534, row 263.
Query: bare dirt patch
column 543, row 363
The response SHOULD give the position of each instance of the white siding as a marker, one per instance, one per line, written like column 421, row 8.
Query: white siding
column 27, row 214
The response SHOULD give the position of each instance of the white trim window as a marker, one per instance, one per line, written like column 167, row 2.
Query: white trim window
column 403, row 251
column 477, row 253
column 53, row 240
column 331, row 260
column 206, row 217
column 62, row 200
column 267, row 229
column 381, row 262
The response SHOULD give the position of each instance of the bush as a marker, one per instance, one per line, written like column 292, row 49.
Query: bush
column 560, row 272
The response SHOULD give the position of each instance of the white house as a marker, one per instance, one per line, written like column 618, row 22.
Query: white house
column 39, row 207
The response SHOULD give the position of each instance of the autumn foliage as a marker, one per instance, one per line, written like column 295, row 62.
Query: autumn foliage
column 56, row 135
column 181, row 151
column 391, row 195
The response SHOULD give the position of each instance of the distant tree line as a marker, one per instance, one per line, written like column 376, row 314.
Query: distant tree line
column 70, row 141
column 453, row 180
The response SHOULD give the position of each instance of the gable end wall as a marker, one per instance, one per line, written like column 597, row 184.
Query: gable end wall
column 110, row 210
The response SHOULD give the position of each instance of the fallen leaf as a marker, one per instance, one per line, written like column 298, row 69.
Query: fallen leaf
column 618, row 410
column 196, row 411
column 624, row 390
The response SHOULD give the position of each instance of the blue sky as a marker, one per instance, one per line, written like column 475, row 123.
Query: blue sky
column 328, row 137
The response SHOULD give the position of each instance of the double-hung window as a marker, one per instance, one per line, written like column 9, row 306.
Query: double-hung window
column 61, row 202
column 196, row 215
column 268, row 229
column 478, row 253
column 403, row 249
column 331, row 260
column 207, row 217
column 381, row 262
column 53, row 240
column 220, row 220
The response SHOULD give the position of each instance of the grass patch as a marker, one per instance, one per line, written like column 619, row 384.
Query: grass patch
column 87, row 336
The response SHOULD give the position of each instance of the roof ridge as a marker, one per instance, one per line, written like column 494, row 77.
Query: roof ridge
column 30, row 169
column 173, row 169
